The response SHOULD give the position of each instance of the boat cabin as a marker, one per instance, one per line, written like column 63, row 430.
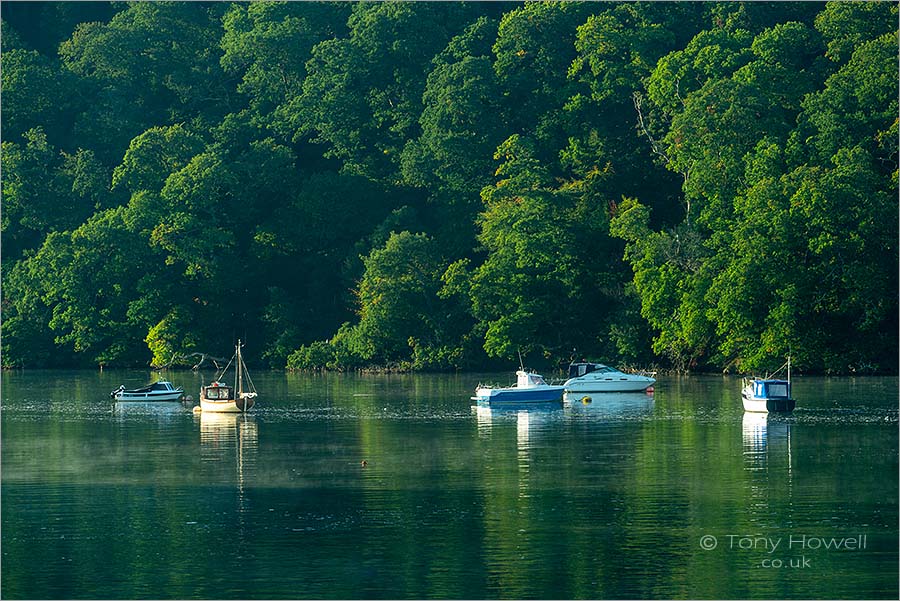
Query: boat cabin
column 576, row 370
column 161, row 386
column 218, row 392
column 771, row 389
column 526, row 379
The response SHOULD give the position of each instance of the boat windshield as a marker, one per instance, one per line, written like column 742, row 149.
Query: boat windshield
column 778, row 389
column 576, row 370
column 538, row 381
column 161, row 386
column 218, row 392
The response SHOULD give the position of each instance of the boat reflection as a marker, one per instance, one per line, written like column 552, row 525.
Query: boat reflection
column 608, row 404
column 768, row 462
column 531, row 419
column 224, row 436
column 528, row 413
column 765, row 437
column 157, row 408
column 754, row 431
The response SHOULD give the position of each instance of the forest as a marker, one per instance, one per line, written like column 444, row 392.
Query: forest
column 445, row 185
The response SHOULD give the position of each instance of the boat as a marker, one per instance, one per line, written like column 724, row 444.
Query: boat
column 239, row 397
column 768, row 395
column 596, row 377
column 530, row 388
column 157, row 391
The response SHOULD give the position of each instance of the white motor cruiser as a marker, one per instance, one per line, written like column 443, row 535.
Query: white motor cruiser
column 596, row 377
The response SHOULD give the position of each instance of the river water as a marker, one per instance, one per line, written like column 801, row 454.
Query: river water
column 678, row 494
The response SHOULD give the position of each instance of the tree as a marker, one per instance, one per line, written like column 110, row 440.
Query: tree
column 847, row 25
column 154, row 155
column 546, row 262
column 42, row 26
column 856, row 106
column 616, row 51
column 719, row 177
column 151, row 64
column 809, row 273
column 268, row 44
column 459, row 126
column 85, row 279
column 307, row 251
column 782, row 193
column 363, row 94
column 398, row 300
column 37, row 93
column 45, row 190
column 452, row 158
column 666, row 268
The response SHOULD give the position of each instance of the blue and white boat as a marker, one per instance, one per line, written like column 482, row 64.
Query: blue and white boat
column 157, row 391
column 768, row 395
column 530, row 388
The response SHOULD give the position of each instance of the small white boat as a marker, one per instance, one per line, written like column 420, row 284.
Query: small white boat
column 767, row 395
column 223, row 398
column 530, row 388
column 157, row 391
column 596, row 377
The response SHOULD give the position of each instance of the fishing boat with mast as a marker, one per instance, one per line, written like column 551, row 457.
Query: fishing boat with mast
column 219, row 397
column 768, row 395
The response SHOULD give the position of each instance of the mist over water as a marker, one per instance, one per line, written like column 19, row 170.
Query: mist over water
column 621, row 496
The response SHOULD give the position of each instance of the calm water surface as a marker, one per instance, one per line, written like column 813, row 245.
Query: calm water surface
column 674, row 495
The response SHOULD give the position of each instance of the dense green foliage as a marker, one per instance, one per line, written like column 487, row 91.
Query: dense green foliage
column 443, row 185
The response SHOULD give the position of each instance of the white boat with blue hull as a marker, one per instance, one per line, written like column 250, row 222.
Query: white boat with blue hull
column 157, row 391
column 596, row 377
column 530, row 388
column 768, row 395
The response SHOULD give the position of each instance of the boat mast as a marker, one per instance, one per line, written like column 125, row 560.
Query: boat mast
column 238, row 371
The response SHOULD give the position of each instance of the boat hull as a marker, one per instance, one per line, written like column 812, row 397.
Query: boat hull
column 616, row 385
column 226, row 406
column 542, row 394
column 762, row 405
column 148, row 396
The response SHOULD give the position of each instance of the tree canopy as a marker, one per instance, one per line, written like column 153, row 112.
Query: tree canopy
column 446, row 185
